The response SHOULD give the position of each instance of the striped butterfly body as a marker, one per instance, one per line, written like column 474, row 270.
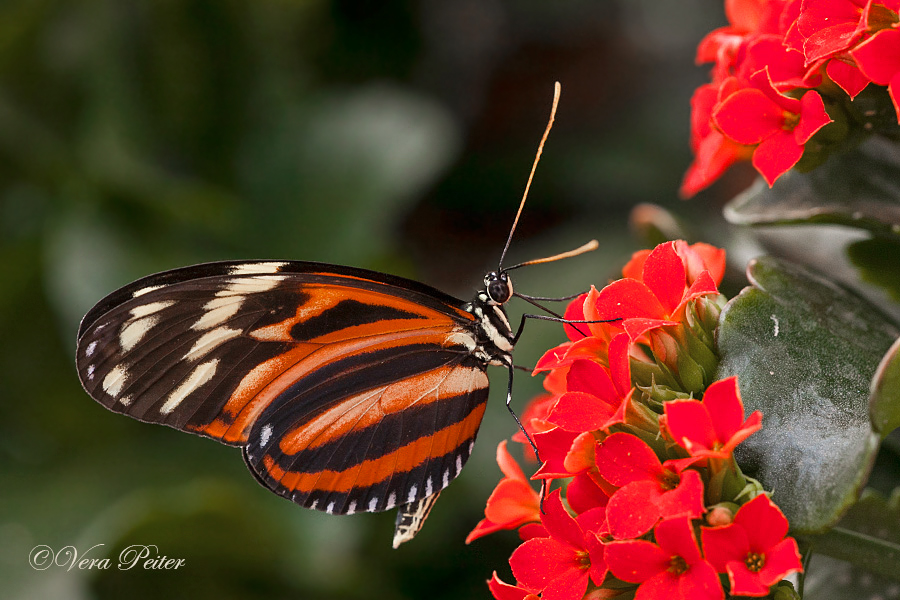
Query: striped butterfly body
column 347, row 390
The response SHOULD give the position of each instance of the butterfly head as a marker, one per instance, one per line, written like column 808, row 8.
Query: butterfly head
column 498, row 286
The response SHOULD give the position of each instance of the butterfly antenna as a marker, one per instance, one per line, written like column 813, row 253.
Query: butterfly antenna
column 557, row 89
column 589, row 247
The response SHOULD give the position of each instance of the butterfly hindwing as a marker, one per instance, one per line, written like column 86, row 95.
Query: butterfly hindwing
column 420, row 409
column 346, row 388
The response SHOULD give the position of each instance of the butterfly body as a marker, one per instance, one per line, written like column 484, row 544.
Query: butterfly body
column 347, row 390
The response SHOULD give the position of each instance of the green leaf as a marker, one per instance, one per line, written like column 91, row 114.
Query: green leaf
column 805, row 350
column 876, row 259
column 884, row 404
column 867, row 545
column 859, row 188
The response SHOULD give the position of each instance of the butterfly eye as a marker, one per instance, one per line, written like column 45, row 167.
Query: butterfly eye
column 499, row 287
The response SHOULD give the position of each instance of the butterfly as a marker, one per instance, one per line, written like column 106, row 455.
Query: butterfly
column 347, row 390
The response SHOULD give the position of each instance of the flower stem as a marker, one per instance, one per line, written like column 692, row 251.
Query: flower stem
column 873, row 554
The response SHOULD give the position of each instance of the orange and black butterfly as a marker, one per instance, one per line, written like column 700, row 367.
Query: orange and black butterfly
column 347, row 390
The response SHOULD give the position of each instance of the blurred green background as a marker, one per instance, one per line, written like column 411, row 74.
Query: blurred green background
column 137, row 136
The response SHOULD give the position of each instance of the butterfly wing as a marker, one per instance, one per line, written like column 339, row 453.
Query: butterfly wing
column 348, row 390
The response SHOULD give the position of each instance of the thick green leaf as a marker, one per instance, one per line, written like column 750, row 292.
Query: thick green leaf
column 884, row 404
column 877, row 260
column 858, row 188
column 805, row 350
column 859, row 558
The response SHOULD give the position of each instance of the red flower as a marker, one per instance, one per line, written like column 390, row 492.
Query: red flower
column 753, row 549
column 777, row 124
column 648, row 489
column 674, row 569
column 512, row 503
column 714, row 427
column 830, row 27
column 554, row 446
column 713, row 152
column 592, row 400
column 505, row 591
column 560, row 565
column 658, row 296
column 879, row 59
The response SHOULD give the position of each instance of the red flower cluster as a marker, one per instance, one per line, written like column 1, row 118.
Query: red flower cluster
column 656, row 503
column 776, row 67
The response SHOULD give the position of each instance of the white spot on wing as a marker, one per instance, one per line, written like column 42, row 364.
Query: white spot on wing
column 265, row 435
column 471, row 447
column 148, row 309
column 201, row 374
column 429, row 487
column 352, row 508
column 115, row 381
column 253, row 268
column 90, row 371
column 314, row 504
column 125, row 400
column 218, row 310
column 209, row 341
column 330, row 508
column 392, row 501
column 458, row 463
column 412, row 493
column 146, row 290
column 250, row 285
column 373, row 504
column 446, row 480
column 89, row 350
column 133, row 332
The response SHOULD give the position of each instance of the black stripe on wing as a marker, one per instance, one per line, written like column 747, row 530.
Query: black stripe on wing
column 383, row 444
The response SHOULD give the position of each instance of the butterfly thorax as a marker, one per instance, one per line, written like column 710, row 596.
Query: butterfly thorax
column 495, row 338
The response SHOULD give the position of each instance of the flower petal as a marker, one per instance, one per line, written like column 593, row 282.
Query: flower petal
column 628, row 298
column 539, row 561
column 781, row 560
column 764, row 523
column 877, row 57
column 676, row 536
column 813, row 117
column 776, row 155
column 665, row 275
column 559, row 523
column 504, row 591
column 553, row 446
column 636, row 561
column 623, row 458
column 690, row 424
column 632, row 511
column 748, row 116
column 725, row 544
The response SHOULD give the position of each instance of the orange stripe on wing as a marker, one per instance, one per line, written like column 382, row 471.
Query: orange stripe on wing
column 380, row 468
column 266, row 381
column 323, row 298
column 369, row 408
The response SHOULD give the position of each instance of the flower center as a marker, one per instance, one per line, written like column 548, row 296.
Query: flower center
column 755, row 562
column 677, row 565
column 669, row 480
column 790, row 121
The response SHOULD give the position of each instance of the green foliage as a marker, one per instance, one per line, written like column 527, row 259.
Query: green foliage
column 805, row 351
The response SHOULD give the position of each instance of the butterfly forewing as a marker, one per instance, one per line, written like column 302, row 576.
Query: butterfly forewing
column 349, row 390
